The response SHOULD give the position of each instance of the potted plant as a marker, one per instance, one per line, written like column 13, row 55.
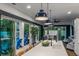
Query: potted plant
column 34, row 32
column 45, row 43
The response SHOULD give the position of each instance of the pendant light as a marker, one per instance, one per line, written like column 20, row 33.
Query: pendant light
column 41, row 15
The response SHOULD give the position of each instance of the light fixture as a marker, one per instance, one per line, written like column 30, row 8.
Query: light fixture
column 28, row 6
column 41, row 15
column 69, row 12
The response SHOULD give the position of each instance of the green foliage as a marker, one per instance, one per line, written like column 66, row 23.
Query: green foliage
column 45, row 43
column 34, row 31
column 6, row 25
column 26, row 27
column 39, row 32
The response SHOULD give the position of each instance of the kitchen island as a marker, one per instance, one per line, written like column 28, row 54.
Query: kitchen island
column 57, row 49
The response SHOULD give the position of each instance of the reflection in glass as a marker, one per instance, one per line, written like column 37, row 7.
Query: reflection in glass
column 6, row 35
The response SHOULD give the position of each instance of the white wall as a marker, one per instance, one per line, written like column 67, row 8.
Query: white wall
column 76, row 35
column 10, row 9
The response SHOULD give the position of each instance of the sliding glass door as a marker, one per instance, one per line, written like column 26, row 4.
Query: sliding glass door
column 6, row 37
column 26, row 33
column 60, row 29
column 62, row 33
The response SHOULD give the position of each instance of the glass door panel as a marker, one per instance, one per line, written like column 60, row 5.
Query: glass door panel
column 18, row 40
column 7, row 37
column 62, row 33
column 26, row 34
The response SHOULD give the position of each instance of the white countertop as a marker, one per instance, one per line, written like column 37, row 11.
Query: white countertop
column 57, row 49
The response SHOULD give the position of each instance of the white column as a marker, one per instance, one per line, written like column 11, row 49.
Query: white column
column 30, row 38
column 65, row 32
column 21, row 26
column 70, row 30
column 76, row 35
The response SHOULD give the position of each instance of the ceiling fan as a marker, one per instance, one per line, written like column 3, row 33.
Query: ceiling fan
column 56, row 21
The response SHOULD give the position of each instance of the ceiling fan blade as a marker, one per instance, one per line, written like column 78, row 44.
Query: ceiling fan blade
column 56, row 21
